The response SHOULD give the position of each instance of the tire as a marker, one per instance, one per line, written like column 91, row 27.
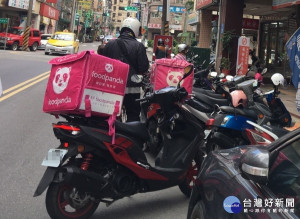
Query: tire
column 187, row 185
column 58, row 197
column 14, row 46
column 198, row 211
column 34, row 46
column 46, row 53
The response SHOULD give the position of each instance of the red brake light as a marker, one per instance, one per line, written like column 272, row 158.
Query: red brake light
column 66, row 144
column 210, row 122
column 66, row 127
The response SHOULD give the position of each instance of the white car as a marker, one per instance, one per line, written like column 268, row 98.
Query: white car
column 44, row 40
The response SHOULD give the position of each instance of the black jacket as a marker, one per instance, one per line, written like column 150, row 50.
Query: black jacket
column 136, row 51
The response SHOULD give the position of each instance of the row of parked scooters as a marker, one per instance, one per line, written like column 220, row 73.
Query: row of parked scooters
column 96, row 167
column 233, row 110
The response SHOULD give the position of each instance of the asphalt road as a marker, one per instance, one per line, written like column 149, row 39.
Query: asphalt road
column 26, row 135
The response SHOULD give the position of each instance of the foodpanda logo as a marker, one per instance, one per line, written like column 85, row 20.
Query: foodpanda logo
column 61, row 79
column 173, row 78
column 109, row 68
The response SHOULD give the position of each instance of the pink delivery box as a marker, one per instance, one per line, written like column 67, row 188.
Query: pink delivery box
column 85, row 83
column 168, row 72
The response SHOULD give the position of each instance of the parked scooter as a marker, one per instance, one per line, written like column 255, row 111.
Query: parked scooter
column 87, row 168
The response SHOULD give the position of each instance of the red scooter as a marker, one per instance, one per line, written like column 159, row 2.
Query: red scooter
column 86, row 168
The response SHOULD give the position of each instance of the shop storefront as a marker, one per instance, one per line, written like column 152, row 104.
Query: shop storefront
column 49, row 17
column 275, row 31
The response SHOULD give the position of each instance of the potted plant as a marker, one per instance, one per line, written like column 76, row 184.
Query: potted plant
column 225, row 65
column 226, row 45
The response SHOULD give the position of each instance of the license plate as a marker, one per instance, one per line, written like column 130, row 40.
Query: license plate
column 57, row 49
column 54, row 157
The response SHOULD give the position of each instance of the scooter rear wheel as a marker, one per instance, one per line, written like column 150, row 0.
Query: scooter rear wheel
column 64, row 201
column 187, row 185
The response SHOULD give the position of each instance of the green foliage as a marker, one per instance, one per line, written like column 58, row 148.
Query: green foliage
column 225, row 63
column 226, row 40
column 194, row 43
column 150, row 43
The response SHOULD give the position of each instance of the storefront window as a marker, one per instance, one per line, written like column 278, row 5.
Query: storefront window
column 272, row 45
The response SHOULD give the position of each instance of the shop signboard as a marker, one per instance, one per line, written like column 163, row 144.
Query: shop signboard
column 200, row 4
column 193, row 19
column 173, row 9
column 168, row 41
column 51, row 1
column 243, row 55
column 284, row 3
column 49, row 12
column 24, row 4
column 154, row 26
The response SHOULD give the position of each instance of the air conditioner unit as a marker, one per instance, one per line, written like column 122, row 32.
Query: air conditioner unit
column 177, row 22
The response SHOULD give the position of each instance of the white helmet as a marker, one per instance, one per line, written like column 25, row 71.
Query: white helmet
column 132, row 24
column 277, row 79
column 182, row 47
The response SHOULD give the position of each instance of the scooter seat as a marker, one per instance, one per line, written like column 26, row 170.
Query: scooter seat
column 136, row 129
column 200, row 106
column 242, row 112
column 211, row 100
column 207, row 92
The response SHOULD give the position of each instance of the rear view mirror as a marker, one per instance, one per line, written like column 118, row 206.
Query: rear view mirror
column 264, row 71
column 254, row 164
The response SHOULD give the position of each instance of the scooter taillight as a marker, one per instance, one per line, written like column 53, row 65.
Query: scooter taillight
column 209, row 123
column 258, row 137
column 73, row 129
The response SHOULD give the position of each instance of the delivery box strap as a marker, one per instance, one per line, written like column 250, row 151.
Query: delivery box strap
column 111, row 121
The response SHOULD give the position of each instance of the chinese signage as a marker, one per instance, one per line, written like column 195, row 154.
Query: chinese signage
column 24, row 4
column 3, row 20
column 284, row 3
column 145, row 17
column 193, row 18
column 250, row 23
column 203, row 3
column 243, row 55
column 270, row 205
column 49, row 12
column 85, row 4
column 154, row 26
column 51, row 1
column 173, row 9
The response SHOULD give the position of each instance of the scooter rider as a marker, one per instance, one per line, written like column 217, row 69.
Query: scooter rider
column 127, row 49
column 182, row 51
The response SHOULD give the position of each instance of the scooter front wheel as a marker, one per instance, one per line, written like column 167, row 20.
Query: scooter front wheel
column 64, row 201
column 187, row 185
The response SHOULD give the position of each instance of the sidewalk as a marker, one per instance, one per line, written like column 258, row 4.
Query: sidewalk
column 288, row 97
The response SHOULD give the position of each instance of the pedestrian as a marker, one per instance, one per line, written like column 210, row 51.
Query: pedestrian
column 127, row 49
column 161, row 50
column 182, row 51
column 254, row 58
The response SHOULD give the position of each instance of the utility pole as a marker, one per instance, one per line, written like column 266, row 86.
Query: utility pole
column 165, row 18
column 72, row 26
column 28, row 26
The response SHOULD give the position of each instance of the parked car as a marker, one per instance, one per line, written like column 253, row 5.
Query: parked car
column 62, row 43
column 15, row 37
column 44, row 40
column 108, row 38
column 250, row 182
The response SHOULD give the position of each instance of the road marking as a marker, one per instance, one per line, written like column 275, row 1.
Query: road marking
column 22, row 88
column 25, row 82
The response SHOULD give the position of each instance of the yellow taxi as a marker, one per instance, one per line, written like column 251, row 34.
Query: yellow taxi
column 62, row 43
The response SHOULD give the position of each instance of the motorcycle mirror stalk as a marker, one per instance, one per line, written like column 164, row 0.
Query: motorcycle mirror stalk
column 187, row 71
